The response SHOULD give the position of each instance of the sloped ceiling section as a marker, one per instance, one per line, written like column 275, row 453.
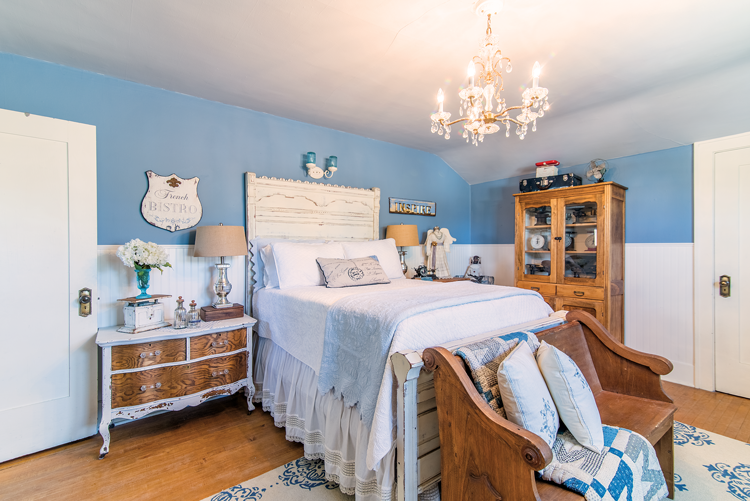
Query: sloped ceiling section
column 624, row 77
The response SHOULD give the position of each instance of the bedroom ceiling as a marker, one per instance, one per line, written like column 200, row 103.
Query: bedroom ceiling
column 624, row 77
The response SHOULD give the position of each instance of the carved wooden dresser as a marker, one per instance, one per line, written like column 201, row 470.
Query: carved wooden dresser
column 169, row 369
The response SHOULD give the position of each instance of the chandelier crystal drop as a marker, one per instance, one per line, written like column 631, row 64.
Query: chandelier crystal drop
column 477, row 102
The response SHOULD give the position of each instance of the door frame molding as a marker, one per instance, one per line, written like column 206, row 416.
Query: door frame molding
column 705, row 284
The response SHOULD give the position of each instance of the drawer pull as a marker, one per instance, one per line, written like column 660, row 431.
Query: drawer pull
column 154, row 354
column 220, row 373
column 579, row 293
column 535, row 289
column 220, row 344
column 144, row 387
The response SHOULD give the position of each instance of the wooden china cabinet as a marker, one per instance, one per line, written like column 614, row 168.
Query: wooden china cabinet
column 570, row 248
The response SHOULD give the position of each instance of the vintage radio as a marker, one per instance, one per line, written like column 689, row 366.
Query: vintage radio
column 548, row 183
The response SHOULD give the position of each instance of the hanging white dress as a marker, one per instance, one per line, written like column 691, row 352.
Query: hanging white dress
column 436, row 245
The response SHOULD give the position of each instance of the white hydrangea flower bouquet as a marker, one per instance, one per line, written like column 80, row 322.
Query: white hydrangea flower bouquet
column 143, row 257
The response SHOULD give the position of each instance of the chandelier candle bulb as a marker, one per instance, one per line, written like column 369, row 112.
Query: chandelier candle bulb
column 440, row 101
column 535, row 72
column 471, row 73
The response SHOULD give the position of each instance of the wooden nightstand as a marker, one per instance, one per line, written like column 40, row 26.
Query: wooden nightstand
column 170, row 369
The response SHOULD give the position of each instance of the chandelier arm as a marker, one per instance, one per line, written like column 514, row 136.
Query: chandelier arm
column 444, row 123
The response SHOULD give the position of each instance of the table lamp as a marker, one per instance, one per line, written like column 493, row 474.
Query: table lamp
column 220, row 241
column 405, row 235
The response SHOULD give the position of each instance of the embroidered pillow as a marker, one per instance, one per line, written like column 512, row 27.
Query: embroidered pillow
column 525, row 395
column 352, row 272
column 384, row 250
column 572, row 396
column 483, row 359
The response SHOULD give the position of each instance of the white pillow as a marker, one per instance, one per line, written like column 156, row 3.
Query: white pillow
column 270, row 277
column 572, row 396
column 385, row 250
column 352, row 272
column 525, row 396
column 256, row 250
column 296, row 263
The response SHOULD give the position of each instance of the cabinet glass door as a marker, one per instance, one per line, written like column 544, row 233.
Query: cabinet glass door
column 581, row 239
column 537, row 222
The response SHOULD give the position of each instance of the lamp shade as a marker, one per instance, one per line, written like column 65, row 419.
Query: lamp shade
column 405, row 235
column 218, row 241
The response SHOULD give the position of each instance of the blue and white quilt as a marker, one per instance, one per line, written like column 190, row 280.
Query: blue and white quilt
column 627, row 469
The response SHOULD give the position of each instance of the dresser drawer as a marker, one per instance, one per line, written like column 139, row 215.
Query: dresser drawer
column 580, row 292
column 136, row 388
column 134, row 356
column 543, row 289
column 219, row 342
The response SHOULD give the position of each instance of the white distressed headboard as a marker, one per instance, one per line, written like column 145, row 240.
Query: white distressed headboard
column 285, row 208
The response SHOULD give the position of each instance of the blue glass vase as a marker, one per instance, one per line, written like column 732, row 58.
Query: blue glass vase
column 142, row 277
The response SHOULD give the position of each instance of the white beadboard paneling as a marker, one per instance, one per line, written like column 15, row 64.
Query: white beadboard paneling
column 497, row 261
column 190, row 277
column 659, row 304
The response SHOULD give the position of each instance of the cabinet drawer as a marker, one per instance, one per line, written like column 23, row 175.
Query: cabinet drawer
column 219, row 342
column 136, row 388
column 596, row 308
column 134, row 356
column 580, row 291
column 543, row 289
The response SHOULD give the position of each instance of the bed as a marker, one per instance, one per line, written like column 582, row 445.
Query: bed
column 386, row 446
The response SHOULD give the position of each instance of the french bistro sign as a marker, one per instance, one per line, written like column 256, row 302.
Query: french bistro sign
column 171, row 202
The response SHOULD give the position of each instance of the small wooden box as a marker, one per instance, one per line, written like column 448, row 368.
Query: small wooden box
column 211, row 314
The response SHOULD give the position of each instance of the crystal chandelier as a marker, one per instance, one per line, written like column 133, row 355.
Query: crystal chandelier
column 477, row 101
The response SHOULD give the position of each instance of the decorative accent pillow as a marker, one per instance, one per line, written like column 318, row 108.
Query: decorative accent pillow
column 484, row 357
column 296, row 263
column 384, row 250
column 352, row 272
column 525, row 395
column 270, row 277
column 572, row 395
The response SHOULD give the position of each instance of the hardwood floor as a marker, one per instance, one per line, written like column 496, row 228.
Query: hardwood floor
column 184, row 455
column 197, row 452
column 712, row 411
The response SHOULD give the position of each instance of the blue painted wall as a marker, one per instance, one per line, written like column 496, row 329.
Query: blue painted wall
column 658, row 208
column 142, row 128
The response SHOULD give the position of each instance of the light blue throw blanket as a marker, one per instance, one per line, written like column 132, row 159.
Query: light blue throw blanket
column 360, row 328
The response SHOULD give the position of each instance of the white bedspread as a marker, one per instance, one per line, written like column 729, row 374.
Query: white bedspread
column 295, row 320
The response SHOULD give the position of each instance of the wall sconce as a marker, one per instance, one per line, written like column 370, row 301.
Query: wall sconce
column 316, row 172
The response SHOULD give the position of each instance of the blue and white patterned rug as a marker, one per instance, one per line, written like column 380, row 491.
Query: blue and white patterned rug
column 708, row 466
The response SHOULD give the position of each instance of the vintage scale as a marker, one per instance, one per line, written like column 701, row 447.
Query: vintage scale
column 143, row 315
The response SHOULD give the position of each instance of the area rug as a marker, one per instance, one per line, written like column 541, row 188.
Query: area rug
column 303, row 480
column 708, row 466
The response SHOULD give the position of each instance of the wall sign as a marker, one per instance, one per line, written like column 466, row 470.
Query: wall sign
column 403, row 206
column 171, row 202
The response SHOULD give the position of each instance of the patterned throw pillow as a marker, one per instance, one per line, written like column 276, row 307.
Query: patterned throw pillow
column 352, row 272
column 572, row 396
column 525, row 395
column 484, row 357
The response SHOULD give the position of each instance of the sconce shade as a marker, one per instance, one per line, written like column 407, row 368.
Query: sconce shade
column 218, row 241
column 405, row 235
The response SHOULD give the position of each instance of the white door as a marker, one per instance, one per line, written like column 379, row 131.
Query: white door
column 732, row 259
column 48, row 360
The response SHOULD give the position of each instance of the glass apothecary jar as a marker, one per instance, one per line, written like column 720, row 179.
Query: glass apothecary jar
column 194, row 317
column 180, row 315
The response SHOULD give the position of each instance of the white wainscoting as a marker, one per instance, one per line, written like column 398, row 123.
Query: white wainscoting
column 659, row 304
column 658, row 290
column 190, row 277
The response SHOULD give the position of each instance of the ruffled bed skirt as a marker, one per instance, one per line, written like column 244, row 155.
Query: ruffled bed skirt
column 288, row 389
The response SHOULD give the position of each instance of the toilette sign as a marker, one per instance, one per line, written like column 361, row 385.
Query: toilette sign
column 171, row 202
